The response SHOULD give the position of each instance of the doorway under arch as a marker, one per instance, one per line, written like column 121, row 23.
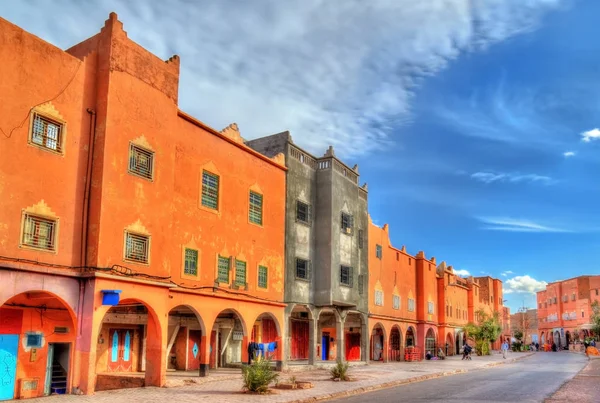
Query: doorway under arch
column 430, row 342
column 267, row 334
column 186, row 339
column 227, row 339
column 377, row 343
column 395, row 353
column 449, row 347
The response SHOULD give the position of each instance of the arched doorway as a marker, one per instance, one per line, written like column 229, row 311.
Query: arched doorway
column 557, row 339
column 449, row 347
column 568, row 339
column 327, row 328
column 227, row 339
column 395, row 344
column 411, row 335
column 460, row 341
column 543, row 338
column 300, row 324
column 129, row 342
column 186, row 338
column 377, row 343
column 353, row 328
column 430, row 342
column 266, row 333
column 37, row 332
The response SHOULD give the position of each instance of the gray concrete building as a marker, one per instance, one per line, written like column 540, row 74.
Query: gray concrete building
column 326, row 244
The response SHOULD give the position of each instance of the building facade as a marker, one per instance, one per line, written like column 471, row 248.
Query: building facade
column 565, row 310
column 326, row 243
column 133, row 237
column 526, row 321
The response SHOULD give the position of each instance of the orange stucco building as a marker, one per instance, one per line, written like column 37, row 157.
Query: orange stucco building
column 133, row 237
column 417, row 306
column 565, row 308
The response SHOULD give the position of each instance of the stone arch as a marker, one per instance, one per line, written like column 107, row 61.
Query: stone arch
column 430, row 341
column 355, row 336
column 266, row 331
column 395, row 344
column 411, row 336
column 300, row 322
column 228, row 337
column 378, row 343
column 186, row 338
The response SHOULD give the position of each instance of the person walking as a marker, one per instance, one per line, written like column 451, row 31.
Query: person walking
column 504, row 349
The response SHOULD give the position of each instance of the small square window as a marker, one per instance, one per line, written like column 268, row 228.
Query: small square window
column 262, row 276
column 191, row 262
column 302, row 269
column 33, row 340
column 255, row 208
column 346, row 276
column 210, row 190
column 396, row 302
column 47, row 133
column 224, row 265
column 137, row 247
column 378, row 251
column 39, row 233
column 379, row 297
column 303, row 212
column 347, row 223
column 240, row 273
column 141, row 161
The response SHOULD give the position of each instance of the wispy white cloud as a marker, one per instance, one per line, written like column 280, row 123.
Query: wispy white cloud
column 569, row 154
column 523, row 284
column 516, row 225
column 491, row 177
column 590, row 135
column 343, row 73
column 462, row 272
column 506, row 273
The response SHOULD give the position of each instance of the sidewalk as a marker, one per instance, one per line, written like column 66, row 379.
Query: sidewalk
column 583, row 388
column 365, row 378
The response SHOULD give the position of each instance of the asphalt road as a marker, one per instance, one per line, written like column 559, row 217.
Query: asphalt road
column 529, row 380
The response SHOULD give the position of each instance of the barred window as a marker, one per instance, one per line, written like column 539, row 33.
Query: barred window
column 302, row 269
column 240, row 272
column 378, row 297
column 378, row 251
column 47, row 133
column 210, row 190
column 347, row 223
column 141, row 161
column 39, row 233
column 255, row 208
column 396, row 302
column 191, row 262
column 137, row 247
column 223, row 269
column 346, row 276
column 262, row 276
column 303, row 212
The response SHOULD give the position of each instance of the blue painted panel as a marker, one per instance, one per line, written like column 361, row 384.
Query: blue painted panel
column 114, row 356
column 324, row 352
column 126, row 346
column 8, row 365
column 195, row 350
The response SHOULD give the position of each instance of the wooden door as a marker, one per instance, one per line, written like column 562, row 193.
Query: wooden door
column 119, row 354
column 299, row 340
column 269, row 331
column 352, row 346
column 194, row 340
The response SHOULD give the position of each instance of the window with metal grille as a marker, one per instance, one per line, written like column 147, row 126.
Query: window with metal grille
column 347, row 223
column 210, row 190
column 137, row 247
column 255, row 208
column 302, row 269
column 223, row 268
column 262, row 276
column 141, row 161
column 346, row 277
column 33, row 340
column 191, row 262
column 411, row 305
column 378, row 297
column 39, row 233
column 396, row 302
column 240, row 272
column 430, row 307
column 361, row 239
column 47, row 133
column 303, row 212
column 378, row 251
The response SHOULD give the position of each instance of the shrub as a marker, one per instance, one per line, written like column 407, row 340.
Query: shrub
column 258, row 376
column 340, row 371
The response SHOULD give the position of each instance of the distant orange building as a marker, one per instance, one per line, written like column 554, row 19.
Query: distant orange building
column 133, row 237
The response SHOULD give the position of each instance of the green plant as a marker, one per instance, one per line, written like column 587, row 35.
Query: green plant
column 258, row 376
column 595, row 318
column 293, row 380
column 485, row 331
column 340, row 371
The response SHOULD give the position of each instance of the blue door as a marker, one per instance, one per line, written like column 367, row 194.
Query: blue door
column 325, row 347
column 8, row 365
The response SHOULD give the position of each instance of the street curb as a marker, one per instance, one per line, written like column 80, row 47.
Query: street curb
column 400, row 382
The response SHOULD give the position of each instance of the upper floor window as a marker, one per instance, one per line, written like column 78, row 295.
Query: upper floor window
column 191, row 262
column 396, row 302
column 47, row 133
column 378, row 251
column 347, row 223
column 596, row 291
column 430, row 307
column 303, row 212
column 573, row 297
column 210, row 190
column 346, row 276
column 302, row 269
column 39, row 232
column 361, row 239
column 262, row 276
column 240, row 272
column 224, row 264
column 141, row 161
column 137, row 247
column 255, row 208
column 379, row 297
column 411, row 305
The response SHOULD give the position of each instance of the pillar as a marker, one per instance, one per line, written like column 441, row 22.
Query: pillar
column 340, row 345
column 312, row 340
column 156, row 350
column 204, row 355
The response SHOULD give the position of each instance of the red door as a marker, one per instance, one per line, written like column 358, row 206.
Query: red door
column 195, row 337
column 269, row 332
column 352, row 346
column 119, row 352
column 213, row 350
column 299, row 340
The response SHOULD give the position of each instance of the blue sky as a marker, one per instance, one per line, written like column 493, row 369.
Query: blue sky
column 473, row 121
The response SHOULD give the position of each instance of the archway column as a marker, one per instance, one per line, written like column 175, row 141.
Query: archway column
column 340, row 321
